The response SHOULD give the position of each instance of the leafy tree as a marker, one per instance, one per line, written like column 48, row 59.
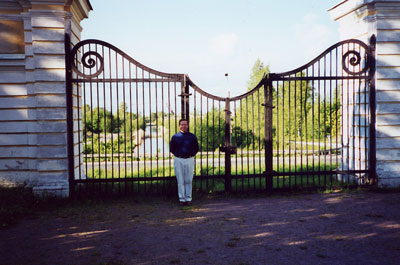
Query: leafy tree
column 248, row 122
column 209, row 129
column 97, row 120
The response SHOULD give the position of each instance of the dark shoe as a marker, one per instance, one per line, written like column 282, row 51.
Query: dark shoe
column 182, row 203
column 188, row 203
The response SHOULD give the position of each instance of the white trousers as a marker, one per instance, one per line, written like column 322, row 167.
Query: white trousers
column 184, row 176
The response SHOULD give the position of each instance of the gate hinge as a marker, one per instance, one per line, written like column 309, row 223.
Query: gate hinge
column 185, row 95
column 268, row 106
column 230, row 149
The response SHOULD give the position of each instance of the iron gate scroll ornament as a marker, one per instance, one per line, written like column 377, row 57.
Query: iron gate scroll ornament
column 353, row 58
column 87, row 60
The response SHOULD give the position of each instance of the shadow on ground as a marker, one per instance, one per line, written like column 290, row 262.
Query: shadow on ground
column 334, row 228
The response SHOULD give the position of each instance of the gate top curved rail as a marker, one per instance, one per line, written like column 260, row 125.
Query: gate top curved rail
column 89, row 63
column 204, row 93
column 91, row 59
column 351, row 57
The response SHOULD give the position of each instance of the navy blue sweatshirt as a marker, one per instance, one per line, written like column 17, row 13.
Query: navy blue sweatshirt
column 184, row 145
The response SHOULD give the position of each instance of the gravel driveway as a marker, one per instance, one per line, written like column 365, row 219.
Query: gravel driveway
column 335, row 228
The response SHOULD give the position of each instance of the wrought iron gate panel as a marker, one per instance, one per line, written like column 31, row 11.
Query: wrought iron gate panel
column 231, row 139
column 310, row 127
column 322, row 119
column 126, row 112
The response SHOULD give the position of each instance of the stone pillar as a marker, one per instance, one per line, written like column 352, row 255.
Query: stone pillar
column 33, row 128
column 360, row 19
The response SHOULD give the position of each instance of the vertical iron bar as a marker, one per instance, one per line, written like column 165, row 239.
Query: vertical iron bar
column 105, row 125
column 259, row 137
column 301, row 125
column 213, row 139
column 313, row 127
column 235, row 145
column 295, row 132
column 354, row 123
column 348, row 125
column 359, row 118
column 112, row 123
column 241, row 141
column 306, row 129
column 278, row 107
column 124, row 102
column 91, row 118
column 342, row 119
column 337, row 112
column 70, row 115
column 283, row 134
column 131, row 120
column 319, row 123
column 195, row 127
column 253, row 140
column 247, row 142
column 187, row 102
column 201, row 140
column 98, row 123
column 138, row 139
column 330, row 116
column 144, row 135
column 228, row 184
column 268, row 130
column 151, row 135
column 372, row 102
column 207, row 150
column 163, row 132
column 79, row 109
column 290, row 134
column 219, row 137
column 157, row 153
column 325, row 133
column 118, row 122
column 169, row 126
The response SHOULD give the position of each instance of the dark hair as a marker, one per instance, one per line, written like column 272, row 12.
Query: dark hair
column 183, row 119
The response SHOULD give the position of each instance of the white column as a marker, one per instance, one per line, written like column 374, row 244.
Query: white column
column 360, row 19
column 33, row 113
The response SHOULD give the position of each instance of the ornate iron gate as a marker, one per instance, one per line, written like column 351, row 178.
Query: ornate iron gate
column 311, row 127
column 324, row 120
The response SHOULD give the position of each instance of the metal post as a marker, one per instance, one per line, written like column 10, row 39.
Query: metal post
column 372, row 129
column 228, row 183
column 185, row 99
column 268, row 129
column 182, row 95
column 70, row 121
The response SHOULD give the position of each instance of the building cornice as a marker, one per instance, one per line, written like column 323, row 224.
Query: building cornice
column 359, row 6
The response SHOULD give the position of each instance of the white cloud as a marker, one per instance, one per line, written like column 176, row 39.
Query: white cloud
column 313, row 37
column 223, row 44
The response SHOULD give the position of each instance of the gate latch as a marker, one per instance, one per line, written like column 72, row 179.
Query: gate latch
column 228, row 149
column 268, row 106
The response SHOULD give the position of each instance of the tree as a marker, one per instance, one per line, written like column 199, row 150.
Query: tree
column 97, row 120
column 257, row 73
column 248, row 122
column 209, row 129
column 294, row 102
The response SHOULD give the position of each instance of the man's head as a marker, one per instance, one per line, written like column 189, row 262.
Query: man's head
column 183, row 125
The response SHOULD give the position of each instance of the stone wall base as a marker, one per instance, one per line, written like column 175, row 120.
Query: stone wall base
column 389, row 180
column 51, row 191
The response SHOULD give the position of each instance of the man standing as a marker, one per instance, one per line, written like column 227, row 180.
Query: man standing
column 184, row 147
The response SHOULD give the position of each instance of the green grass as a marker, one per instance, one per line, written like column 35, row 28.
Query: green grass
column 213, row 179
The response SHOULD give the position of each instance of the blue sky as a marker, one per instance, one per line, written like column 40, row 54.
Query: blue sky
column 208, row 38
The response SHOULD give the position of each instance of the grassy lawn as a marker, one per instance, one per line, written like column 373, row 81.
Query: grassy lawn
column 212, row 179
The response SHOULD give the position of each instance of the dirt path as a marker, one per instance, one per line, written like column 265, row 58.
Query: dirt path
column 336, row 228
